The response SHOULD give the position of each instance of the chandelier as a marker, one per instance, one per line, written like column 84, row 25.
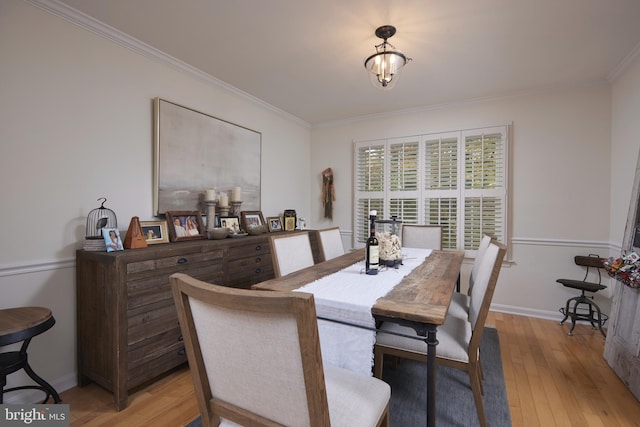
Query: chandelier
column 387, row 61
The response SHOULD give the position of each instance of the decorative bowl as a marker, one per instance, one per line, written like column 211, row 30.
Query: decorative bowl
column 255, row 230
column 218, row 233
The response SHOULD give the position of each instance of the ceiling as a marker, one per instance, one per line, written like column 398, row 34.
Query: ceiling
column 306, row 58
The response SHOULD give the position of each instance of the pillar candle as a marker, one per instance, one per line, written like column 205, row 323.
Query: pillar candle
column 209, row 195
column 236, row 194
column 224, row 199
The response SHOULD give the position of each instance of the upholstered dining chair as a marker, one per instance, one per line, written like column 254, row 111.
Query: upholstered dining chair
column 422, row 236
column 460, row 302
column 290, row 252
column 459, row 338
column 330, row 243
column 255, row 360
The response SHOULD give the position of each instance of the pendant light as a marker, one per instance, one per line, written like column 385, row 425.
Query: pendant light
column 385, row 64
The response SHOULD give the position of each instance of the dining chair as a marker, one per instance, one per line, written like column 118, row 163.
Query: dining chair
column 290, row 252
column 460, row 302
column 255, row 360
column 422, row 236
column 330, row 242
column 459, row 338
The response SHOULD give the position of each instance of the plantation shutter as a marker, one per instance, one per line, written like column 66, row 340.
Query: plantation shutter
column 369, row 180
column 441, row 186
column 484, row 185
column 404, row 162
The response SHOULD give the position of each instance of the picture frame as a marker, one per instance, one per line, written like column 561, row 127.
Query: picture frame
column 289, row 223
column 155, row 232
column 191, row 154
column 112, row 239
column 274, row 223
column 251, row 218
column 185, row 225
column 231, row 222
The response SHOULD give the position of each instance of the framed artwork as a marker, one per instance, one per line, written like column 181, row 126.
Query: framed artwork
column 230, row 222
column 112, row 239
column 274, row 223
column 185, row 225
column 155, row 231
column 289, row 223
column 251, row 218
column 194, row 151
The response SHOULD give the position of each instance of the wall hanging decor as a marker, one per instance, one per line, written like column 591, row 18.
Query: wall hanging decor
column 328, row 193
column 194, row 151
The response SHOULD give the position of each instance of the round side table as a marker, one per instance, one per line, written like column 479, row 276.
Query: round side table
column 20, row 325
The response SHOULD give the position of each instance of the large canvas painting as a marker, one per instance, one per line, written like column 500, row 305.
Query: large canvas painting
column 194, row 151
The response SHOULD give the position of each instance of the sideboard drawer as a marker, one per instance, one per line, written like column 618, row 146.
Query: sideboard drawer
column 257, row 265
column 248, row 250
column 173, row 263
column 154, row 367
column 153, row 347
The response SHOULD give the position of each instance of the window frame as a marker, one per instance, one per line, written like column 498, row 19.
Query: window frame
column 383, row 200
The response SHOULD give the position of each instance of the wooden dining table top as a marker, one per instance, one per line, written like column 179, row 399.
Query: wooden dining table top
column 423, row 296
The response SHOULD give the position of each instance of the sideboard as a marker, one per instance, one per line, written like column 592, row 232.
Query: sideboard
column 127, row 325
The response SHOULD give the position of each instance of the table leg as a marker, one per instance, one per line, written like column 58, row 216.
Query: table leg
column 432, row 342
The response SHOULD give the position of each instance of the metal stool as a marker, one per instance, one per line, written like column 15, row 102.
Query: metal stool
column 591, row 261
column 22, row 324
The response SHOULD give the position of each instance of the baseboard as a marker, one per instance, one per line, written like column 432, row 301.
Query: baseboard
column 527, row 312
column 531, row 312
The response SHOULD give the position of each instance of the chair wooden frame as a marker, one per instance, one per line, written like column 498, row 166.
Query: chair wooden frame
column 304, row 253
column 298, row 307
column 326, row 248
column 480, row 311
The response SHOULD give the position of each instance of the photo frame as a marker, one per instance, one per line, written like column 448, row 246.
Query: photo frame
column 251, row 218
column 231, row 222
column 289, row 223
column 274, row 223
column 155, row 232
column 185, row 225
column 112, row 239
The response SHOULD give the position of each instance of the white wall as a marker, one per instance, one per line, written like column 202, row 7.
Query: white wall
column 560, row 167
column 76, row 125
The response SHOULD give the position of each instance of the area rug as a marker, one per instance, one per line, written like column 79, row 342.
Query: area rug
column 454, row 399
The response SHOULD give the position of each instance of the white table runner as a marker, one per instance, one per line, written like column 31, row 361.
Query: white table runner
column 348, row 296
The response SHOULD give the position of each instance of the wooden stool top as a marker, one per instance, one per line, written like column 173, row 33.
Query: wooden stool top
column 18, row 324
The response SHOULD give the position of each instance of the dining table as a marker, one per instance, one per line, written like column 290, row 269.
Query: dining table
column 420, row 299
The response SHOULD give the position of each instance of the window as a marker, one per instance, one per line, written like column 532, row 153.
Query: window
column 456, row 180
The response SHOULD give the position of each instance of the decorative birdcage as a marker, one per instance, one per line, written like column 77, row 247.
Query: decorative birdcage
column 98, row 219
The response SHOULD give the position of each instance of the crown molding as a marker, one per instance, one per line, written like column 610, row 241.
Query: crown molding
column 108, row 32
column 624, row 65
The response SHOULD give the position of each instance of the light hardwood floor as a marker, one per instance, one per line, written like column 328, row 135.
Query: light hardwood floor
column 552, row 380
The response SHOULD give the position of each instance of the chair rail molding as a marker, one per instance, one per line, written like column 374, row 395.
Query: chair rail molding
column 35, row 267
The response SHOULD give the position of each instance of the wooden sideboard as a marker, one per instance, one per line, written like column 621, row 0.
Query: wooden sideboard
column 127, row 325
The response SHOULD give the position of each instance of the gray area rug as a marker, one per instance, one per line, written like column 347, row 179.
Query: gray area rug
column 454, row 399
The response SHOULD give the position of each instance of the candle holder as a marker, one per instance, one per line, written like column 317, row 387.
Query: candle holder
column 224, row 210
column 211, row 214
column 235, row 208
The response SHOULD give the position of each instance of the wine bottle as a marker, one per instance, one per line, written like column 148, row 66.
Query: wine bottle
column 372, row 255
